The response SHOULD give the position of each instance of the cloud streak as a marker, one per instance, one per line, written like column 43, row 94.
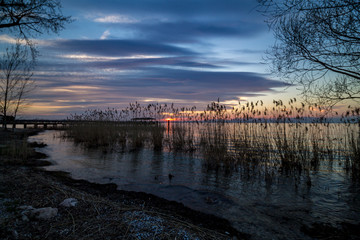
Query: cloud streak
column 194, row 31
column 116, row 47
column 115, row 19
column 184, row 8
column 158, row 82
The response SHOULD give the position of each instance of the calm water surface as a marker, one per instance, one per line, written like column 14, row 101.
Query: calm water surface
column 277, row 211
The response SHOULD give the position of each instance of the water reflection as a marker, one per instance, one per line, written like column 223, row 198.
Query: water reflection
column 254, row 206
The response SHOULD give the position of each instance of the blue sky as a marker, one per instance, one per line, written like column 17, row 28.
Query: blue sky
column 187, row 52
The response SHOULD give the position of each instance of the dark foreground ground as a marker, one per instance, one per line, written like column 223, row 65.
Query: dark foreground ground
column 102, row 212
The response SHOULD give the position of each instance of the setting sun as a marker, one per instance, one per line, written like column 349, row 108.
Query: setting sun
column 170, row 119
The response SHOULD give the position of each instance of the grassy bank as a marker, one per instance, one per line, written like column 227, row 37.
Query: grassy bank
column 15, row 150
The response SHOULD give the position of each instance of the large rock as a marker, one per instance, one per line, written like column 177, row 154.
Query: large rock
column 38, row 213
column 44, row 213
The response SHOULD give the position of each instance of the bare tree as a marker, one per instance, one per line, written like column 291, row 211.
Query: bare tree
column 25, row 19
column 318, row 46
column 15, row 80
column 28, row 18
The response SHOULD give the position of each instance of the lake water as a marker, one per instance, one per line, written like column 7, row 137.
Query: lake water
column 265, row 211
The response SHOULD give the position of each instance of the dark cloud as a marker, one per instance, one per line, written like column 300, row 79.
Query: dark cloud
column 116, row 48
column 216, row 80
column 250, row 51
column 124, row 64
column 176, row 21
column 136, row 63
column 233, row 62
column 177, row 84
column 195, row 31
column 166, row 7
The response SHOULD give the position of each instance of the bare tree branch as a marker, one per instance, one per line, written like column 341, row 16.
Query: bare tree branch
column 318, row 43
column 29, row 18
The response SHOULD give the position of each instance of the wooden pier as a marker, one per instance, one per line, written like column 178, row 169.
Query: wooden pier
column 44, row 124
column 63, row 124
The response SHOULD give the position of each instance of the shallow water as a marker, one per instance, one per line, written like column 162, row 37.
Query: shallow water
column 265, row 211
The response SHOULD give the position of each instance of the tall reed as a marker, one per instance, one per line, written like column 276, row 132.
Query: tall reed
column 254, row 139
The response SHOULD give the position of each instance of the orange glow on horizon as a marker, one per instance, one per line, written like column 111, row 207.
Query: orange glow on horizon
column 170, row 119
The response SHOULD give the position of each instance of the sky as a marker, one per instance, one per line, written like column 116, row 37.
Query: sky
column 188, row 52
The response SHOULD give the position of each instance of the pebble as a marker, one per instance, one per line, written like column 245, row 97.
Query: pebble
column 69, row 202
column 15, row 234
column 24, row 218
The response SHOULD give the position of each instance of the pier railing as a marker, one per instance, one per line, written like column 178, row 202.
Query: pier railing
column 63, row 124
column 45, row 124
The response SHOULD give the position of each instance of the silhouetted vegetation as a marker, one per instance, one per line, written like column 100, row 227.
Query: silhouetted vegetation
column 26, row 19
column 252, row 139
column 317, row 47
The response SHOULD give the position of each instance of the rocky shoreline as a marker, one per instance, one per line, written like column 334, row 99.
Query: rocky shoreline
column 101, row 211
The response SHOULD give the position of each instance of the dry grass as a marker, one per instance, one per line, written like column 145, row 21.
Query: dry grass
column 14, row 148
column 95, row 217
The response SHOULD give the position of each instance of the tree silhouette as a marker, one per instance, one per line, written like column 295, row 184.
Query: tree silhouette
column 25, row 19
column 15, row 80
column 318, row 46
column 29, row 18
